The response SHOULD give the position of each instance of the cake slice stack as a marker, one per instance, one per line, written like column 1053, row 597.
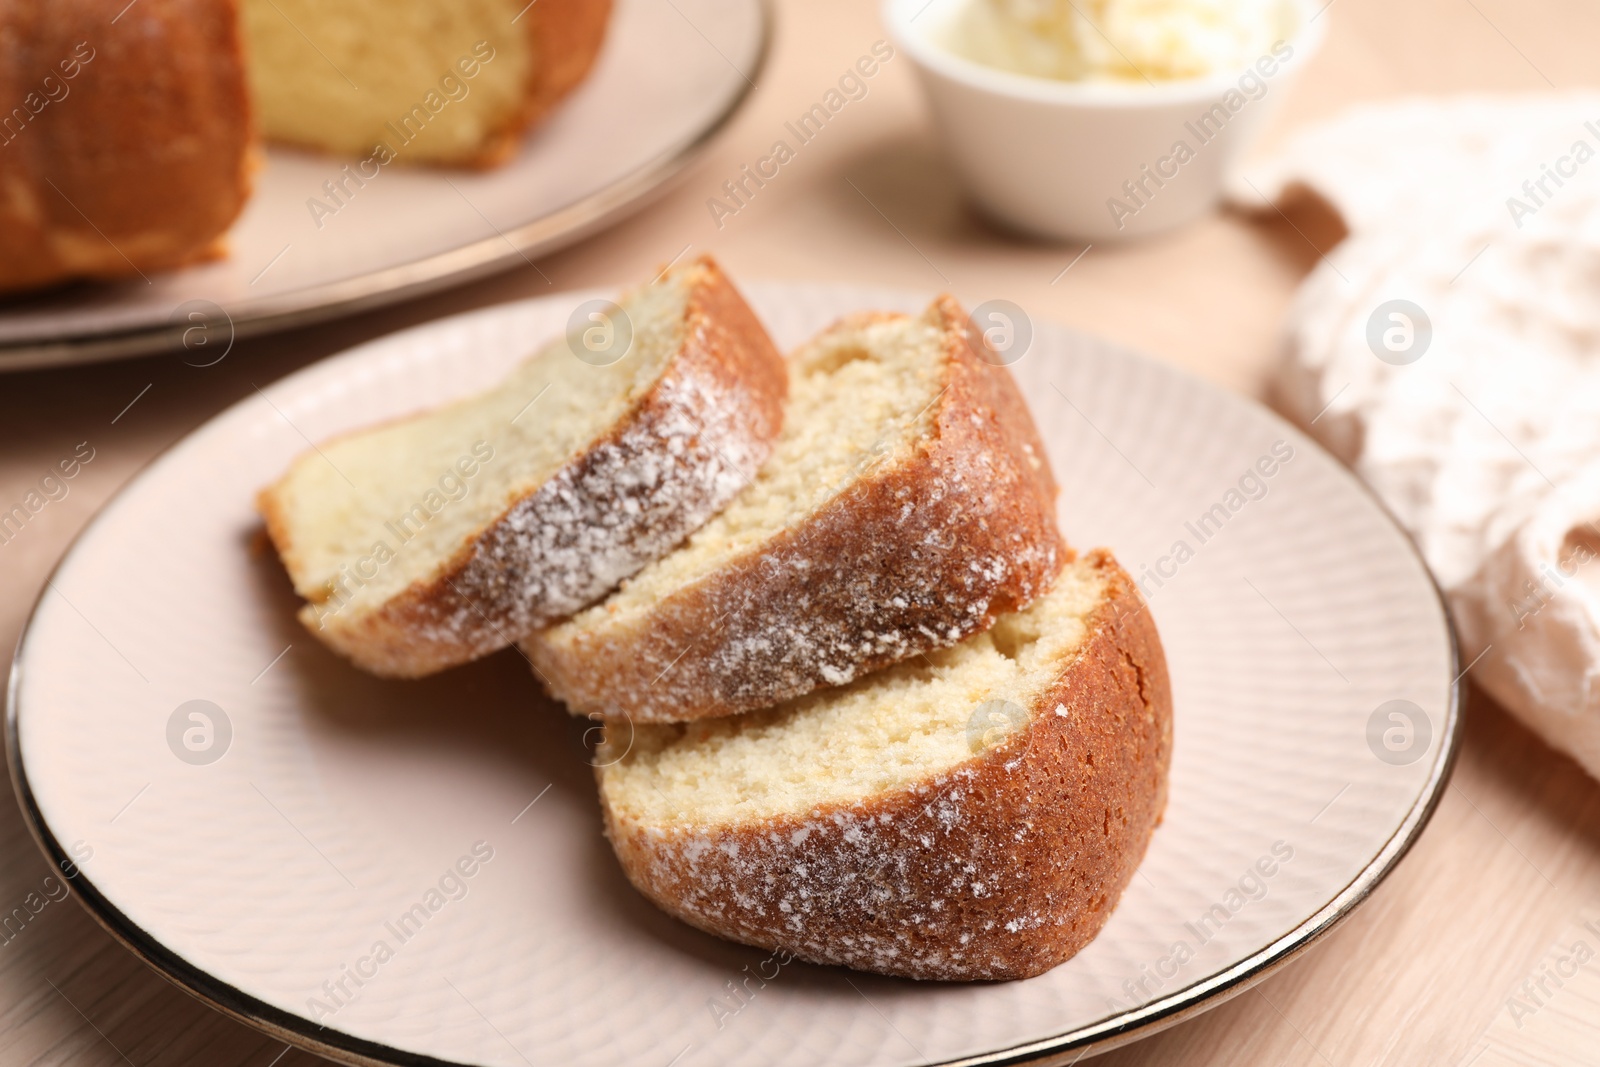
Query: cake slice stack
column 871, row 710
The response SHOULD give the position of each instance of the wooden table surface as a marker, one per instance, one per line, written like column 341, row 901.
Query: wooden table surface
column 1444, row 963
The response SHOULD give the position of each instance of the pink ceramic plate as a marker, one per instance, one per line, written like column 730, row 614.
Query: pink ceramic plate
column 413, row 872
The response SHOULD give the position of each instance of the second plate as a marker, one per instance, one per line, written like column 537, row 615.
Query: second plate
column 670, row 76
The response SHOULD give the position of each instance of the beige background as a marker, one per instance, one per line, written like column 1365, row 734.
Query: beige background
column 1422, row 974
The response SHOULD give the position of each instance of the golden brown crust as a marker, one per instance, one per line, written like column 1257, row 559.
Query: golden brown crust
column 565, row 37
column 916, row 555
column 140, row 159
column 1001, row 868
column 676, row 457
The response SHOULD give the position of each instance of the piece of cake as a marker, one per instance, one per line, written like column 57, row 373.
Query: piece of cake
column 436, row 539
column 974, row 814
column 907, row 505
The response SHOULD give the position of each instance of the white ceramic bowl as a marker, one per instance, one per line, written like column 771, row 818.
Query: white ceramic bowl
column 1093, row 162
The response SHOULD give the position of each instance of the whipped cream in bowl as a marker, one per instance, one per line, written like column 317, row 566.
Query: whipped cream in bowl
column 1118, row 41
column 1100, row 120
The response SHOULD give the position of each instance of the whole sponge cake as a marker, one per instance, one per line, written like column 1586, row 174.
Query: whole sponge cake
column 439, row 538
column 906, row 506
column 972, row 815
column 129, row 138
column 429, row 81
column 125, row 143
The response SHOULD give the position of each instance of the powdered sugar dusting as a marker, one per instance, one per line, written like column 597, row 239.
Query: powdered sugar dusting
column 627, row 501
